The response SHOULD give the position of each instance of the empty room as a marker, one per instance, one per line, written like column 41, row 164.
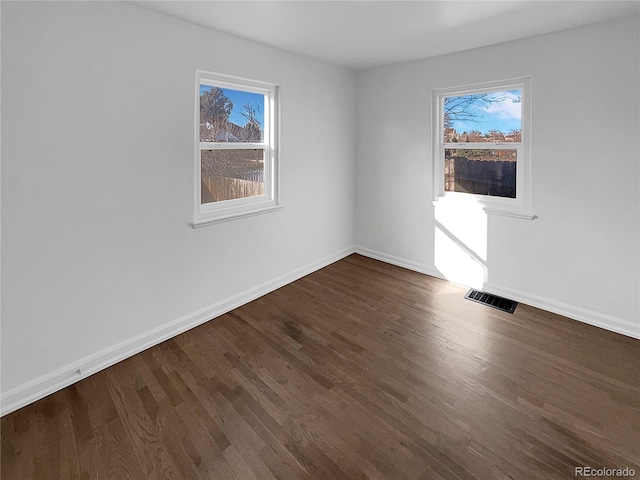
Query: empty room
column 320, row 240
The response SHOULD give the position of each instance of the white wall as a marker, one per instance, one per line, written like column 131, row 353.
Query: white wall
column 581, row 256
column 99, row 260
column 98, row 255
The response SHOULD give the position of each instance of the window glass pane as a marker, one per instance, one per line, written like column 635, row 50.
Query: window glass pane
column 228, row 115
column 483, row 117
column 231, row 174
column 483, row 172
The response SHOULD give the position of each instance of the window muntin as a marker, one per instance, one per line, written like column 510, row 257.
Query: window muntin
column 481, row 145
column 236, row 148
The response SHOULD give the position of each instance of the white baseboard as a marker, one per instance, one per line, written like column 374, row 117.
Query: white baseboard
column 607, row 322
column 597, row 319
column 47, row 384
column 399, row 261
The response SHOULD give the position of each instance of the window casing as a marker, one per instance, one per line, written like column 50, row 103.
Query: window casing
column 237, row 166
column 509, row 151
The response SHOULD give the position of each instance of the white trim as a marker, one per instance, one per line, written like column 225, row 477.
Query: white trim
column 213, row 79
column 224, row 211
column 222, row 219
column 601, row 320
column 49, row 383
column 398, row 261
column 483, row 146
column 597, row 319
column 512, row 206
column 507, row 213
column 490, row 211
column 233, row 146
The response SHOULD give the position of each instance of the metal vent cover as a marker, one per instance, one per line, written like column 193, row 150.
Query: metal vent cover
column 494, row 301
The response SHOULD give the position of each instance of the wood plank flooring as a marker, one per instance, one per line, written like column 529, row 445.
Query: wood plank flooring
column 361, row 370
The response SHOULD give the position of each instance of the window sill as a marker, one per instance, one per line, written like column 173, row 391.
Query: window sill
column 204, row 222
column 508, row 213
column 489, row 210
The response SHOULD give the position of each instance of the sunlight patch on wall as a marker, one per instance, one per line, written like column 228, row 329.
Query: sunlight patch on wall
column 461, row 242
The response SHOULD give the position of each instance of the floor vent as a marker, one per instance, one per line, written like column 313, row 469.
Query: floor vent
column 494, row 301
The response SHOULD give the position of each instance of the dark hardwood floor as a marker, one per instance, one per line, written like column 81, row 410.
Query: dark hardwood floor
column 361, row 370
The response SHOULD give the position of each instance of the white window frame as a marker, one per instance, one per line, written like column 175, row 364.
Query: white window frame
column 520, row 206
column 216, row 212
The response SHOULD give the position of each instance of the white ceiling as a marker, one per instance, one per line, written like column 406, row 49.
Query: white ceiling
column 364, row 34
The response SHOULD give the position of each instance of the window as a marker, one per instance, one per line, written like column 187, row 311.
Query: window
column 237, row 171
column 481, row 146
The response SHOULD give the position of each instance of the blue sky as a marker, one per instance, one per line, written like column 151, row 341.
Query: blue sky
column 239, row 99
column 503, row 116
